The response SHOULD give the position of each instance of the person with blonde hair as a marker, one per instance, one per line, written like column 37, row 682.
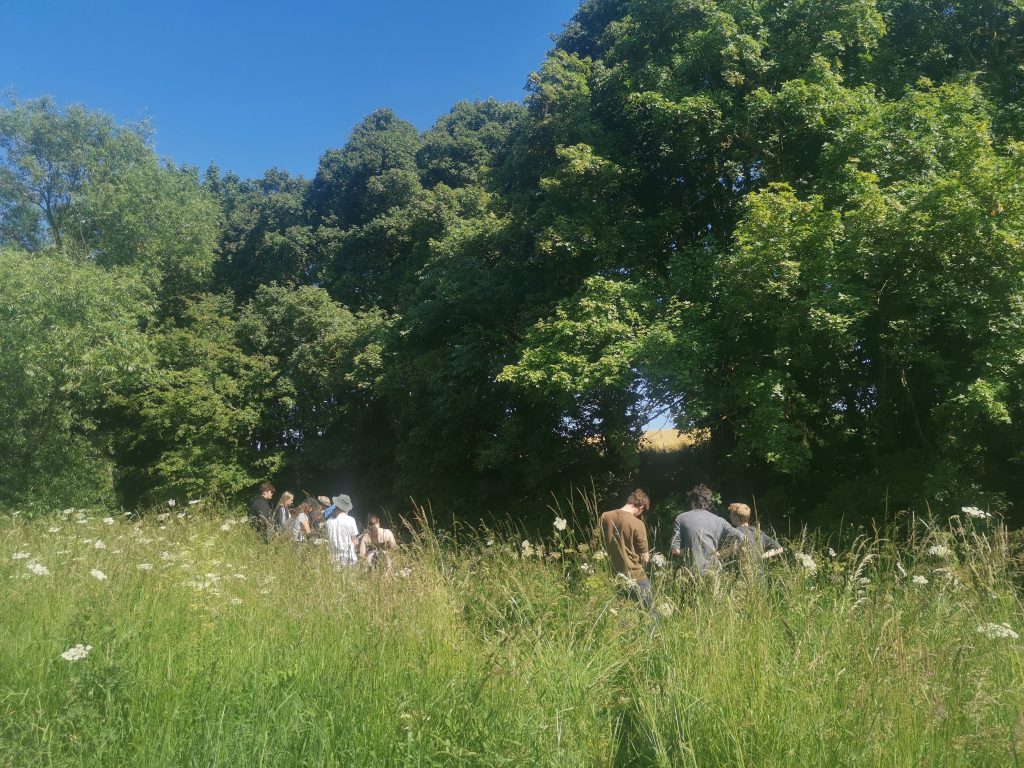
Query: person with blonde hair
column 283, row 510
column 760, row 542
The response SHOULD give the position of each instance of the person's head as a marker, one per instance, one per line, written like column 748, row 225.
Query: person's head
column 739, row 514
column 267, row 490
column 323, row 501
column 286, row 499
column 701, row 497
column 305, row 507
column 639, row 501
column 343, row 503
column 373, row 521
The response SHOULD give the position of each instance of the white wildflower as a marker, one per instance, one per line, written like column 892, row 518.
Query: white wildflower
column 76, row 652
column 21, row 556
column 629, row 581
column 997, row 631
column 587, row 568
column 831, row 552
column 267, row 591
column 665, row 608
column 560, row 524
column 82, row 520
column 937, row 550
column 145, row 566
column 405, row 573
column 108, row 520
column 863, row 581
column 181, row 515
column 99, row 544
column 68, row 512
column 489, row 542
column 225, row 527
column 600, row 555
column 901, row 569
column 53, row 529
column 659, row 560
column 922, row 580
column 236, row 601
column 162, row 516
column 806, row 561
column 977, row 514
column 193, row 502
column 98, row 575
column 171, row 502
column 38, row 568
column 527, row 548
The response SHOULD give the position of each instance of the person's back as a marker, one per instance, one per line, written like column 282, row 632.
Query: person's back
column 341, row 533
column 697, row 536
column 625, row 541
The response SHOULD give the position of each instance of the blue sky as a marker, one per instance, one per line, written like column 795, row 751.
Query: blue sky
column 259, row 84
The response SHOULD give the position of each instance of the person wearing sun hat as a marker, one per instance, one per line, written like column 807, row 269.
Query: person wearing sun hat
column 342, row 531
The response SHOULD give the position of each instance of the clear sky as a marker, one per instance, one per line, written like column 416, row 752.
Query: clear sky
column 253, row 85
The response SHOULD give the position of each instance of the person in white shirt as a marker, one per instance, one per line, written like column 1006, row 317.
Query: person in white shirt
column 342, row 532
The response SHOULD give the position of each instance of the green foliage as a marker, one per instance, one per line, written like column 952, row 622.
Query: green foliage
column 71, row 340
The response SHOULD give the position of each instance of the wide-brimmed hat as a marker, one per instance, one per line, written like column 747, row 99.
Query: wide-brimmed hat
column 343, row 502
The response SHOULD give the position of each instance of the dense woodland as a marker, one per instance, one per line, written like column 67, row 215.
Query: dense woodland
column 796, row 227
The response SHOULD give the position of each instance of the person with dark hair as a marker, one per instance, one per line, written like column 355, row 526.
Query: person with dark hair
column 699, row 533
column 624, row 537
column 260, row 512
column 297, row 527
column 375, row 543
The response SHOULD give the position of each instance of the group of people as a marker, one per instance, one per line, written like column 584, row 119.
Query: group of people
column 698, row 535
column 698, row 538
column 322, row 517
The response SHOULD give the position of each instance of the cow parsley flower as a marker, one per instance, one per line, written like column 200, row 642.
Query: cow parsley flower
column 38, row 568
column 225, row 527
column 53, row 529
column 76, row 652
column 405, row 573
column 659, row 560
column 21, row 556
column 162, row 516
column 938, row 550
column 108, row 520
column 193, row 502
column 560, row 524
column 99, row 544
column 997, row 631
column 922, row 580
column 665, row 608
column 806, row 561
column 587, row 568
column 527, row 548
column 98, row 575
column 145, row 566
column 171, row 502
column 976, row 513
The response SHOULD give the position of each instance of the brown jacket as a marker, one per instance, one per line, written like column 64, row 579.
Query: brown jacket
column 624, row 538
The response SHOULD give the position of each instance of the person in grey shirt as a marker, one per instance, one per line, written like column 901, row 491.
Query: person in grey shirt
column 699, row 533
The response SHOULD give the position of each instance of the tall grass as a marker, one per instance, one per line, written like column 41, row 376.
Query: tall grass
column 233, row 653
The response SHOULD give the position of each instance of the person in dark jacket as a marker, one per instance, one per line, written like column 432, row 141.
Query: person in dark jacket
column 261, row 516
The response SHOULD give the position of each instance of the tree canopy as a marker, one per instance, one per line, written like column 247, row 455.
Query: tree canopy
column 797, row 228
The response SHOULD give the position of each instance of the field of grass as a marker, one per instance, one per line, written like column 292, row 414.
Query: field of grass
column 207, row 648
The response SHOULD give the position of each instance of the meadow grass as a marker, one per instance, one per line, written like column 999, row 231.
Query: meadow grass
column 209, row 648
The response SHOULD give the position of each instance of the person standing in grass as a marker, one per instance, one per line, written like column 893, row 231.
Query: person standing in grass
column 298, row 527
column 342, row 531
column 283, row 510
column 699, row 533
column 260, row 514
column 375, row 543
column 760, row 543
column 624, row 538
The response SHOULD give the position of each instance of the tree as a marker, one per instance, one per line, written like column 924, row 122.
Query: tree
column 72, row 339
